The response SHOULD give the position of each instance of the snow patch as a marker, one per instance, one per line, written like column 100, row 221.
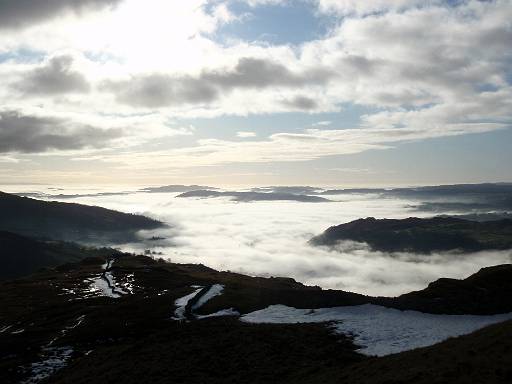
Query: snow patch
column 222, row 312
column 6, row 328
column 105, row 285
column 379, row 330
column 181, row 303
column 53, row 359
column 215, row 290
column 102, row 285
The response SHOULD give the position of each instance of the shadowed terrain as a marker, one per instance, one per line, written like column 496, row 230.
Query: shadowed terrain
column 20, row 255
column 68, row 221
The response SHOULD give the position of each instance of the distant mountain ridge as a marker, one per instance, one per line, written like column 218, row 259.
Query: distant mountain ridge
column 69, row 221
column 175, row 188
column 256, row 196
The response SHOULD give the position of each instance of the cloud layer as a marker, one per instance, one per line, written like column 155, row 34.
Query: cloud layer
column 421, row 70
column 270, row 239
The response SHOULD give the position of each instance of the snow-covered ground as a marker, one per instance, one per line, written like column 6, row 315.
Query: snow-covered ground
column 378, row 330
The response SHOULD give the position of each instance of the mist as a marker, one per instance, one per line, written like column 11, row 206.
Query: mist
column 269, row 238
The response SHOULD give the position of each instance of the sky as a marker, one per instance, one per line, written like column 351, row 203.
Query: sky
column 253, row 92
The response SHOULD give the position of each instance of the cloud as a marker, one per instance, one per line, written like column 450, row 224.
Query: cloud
column 311, row 144
column 260, row 73
column 324, row 123
column 161, row 90
column 270, row 239
column 257, row 3
column 56, row 76
column 421, row 70
column 301, row 103
column 31, row 133
column 357, row 7
column 23, row 13
column 9, row 159
column 245, row 134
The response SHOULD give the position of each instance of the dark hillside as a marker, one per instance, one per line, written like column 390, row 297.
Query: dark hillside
column 68, row 221
column 132, row 338
column 20, row 255
column 487, row 291
column 422, row 235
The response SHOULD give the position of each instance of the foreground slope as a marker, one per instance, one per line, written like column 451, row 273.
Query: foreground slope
column 66, row 326
column 68, row 221
column 482, row 357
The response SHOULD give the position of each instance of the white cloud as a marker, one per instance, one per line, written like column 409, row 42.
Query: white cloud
column 245, row 134
column 358, row 7
column 324, row 123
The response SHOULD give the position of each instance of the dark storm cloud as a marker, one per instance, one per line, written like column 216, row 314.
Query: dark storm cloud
column 56, row 77
column 32, row 134
column 16, row 14
column 159, row 90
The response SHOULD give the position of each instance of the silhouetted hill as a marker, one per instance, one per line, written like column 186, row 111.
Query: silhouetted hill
column 20, row 255
column 487, row 291
column 68, row 221
column 422, row 235
column 175, row 188
column 256, row 196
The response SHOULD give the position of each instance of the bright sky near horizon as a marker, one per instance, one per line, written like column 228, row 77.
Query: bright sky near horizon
column 253, row 92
